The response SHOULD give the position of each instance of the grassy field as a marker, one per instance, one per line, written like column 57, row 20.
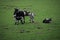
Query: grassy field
column 41, row 8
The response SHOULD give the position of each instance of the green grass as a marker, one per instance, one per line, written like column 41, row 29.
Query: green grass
column 41, row 8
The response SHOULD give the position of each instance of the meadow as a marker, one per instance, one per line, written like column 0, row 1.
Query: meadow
column 32, row 31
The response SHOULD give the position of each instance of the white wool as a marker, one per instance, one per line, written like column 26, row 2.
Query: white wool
column 47, row 18
column 24, row 13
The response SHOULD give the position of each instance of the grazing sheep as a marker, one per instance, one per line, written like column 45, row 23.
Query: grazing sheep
column 47, row 20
